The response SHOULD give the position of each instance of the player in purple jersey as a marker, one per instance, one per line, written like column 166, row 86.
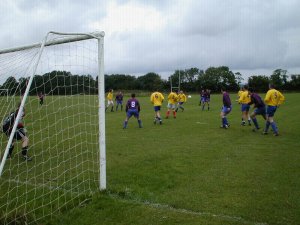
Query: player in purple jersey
column 206, row 99
column 119, row 100
column 259, row 105
column 132, row 109
column 226, row 109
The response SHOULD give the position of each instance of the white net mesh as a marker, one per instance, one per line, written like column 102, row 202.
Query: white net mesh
column 62, row 129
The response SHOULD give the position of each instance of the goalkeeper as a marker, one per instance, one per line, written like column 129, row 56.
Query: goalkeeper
column 20, row 133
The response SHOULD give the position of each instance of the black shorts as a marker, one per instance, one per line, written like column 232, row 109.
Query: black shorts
column 19, row 134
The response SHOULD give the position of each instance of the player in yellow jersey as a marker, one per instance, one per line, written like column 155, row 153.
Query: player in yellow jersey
column 244, row 100
column 273, row 99
column 110, row 101
column 172, row 101
column 157, row 99
column 181, row 101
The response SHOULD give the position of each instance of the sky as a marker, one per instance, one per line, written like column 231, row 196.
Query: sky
column 251, row 37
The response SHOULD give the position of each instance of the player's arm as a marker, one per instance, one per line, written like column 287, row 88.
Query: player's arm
column 267, row 97
column 281, row 98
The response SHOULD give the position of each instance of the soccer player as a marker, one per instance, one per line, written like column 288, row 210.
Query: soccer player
column 244, row 101
column 226, row 109
column 110, row 101
column 20, row 133
column 133, row 108
column 181, row 101
column 273, row 99
column 119, row 100
column 157, row 99
column 206, row 99
column 259, row 108
column 172, row 100
column 41, row 98
column 202, row 97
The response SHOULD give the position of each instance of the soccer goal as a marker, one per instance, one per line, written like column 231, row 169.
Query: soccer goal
column 55, row 90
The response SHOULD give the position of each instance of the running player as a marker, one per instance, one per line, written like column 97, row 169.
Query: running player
column 132, row 109
column 259, row 108
column 181, row 101
column 172, row 100
column 244, row 101
column 41, row 98
column 157, row 99
column 273, row 99
column 110, row 101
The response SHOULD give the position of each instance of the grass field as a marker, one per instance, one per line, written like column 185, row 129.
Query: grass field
column 186, row 171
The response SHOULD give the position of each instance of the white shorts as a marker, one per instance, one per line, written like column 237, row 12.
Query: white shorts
column 110, row 102
column 171, row 106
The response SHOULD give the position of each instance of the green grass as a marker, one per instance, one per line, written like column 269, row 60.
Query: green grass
column 186, row 171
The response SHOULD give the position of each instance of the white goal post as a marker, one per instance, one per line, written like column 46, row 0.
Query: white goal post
column 67, row 88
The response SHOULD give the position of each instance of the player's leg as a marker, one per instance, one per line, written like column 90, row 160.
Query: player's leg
column 128, row 115
column 137, row 116
column 168, row 111
column 10, row 150
column 174, row 111
column 253, row 117
column 112, row 106
column 20, row 134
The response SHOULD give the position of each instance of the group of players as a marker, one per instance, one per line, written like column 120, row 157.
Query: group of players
column 176, row 99
column 266, row 108
column 246, row 97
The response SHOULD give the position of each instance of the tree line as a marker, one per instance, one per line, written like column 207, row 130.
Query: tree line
column 191, row 80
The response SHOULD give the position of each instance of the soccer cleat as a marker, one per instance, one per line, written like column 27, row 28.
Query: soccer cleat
column 8, row 156
column 276, row 134
column 255, row 129
column 167, row 117
column 160, row 122
column 174, row 117
column 26, row 158
column 264, row 133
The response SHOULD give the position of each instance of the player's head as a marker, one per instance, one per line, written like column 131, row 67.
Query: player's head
column 133, row 95
column 271, row 86
column 223, row 89
column 251, row 90
column 246, row 87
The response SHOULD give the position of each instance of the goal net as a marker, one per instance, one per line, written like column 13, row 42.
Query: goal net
column 50, row 154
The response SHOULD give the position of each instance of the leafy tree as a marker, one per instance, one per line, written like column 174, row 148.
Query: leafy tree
column 150, row 82
column 260, row 83
column 279, row 78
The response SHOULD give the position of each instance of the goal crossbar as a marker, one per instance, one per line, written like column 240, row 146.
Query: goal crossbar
column 80, row 37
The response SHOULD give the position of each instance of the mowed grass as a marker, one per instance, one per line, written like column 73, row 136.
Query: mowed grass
column 188, row 170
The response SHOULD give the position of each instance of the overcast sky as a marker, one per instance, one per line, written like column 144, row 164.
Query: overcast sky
column 250, row 36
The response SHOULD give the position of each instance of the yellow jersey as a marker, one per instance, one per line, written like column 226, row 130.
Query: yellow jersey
column 240, row 93
column 157, row 98
column 244, row 98
column 181, row 97
column 110, row 96
column 172, row 98
column 274, row 98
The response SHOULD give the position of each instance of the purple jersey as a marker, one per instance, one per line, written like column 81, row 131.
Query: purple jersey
column 133, row 104
column 256, row 100
column 119, row 97
column 226, row 99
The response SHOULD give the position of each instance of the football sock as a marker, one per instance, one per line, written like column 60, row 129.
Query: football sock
column 125, row 124
column 267, row 126
column 225, row 121
column 174, row 113
column 140, row 123
column 24, row 150
column 274, row 127
column 255, row 123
